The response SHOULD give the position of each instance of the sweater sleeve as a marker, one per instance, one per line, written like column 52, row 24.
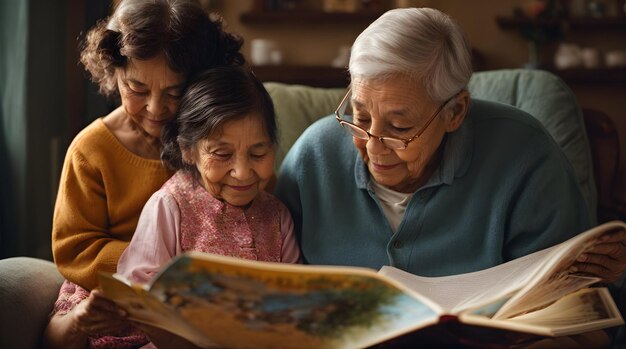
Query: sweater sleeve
column 290, row 252
column 81, row 241
column 287, row 188
column 155, row 241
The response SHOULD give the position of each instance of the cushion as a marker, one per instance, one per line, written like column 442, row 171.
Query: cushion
column 297, row 107
column 28, row 289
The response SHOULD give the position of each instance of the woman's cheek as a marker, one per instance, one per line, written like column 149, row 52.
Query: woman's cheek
column 212, row 174
column 172, row 106
column 361, row 146
column 133, row 104
column 267, row 169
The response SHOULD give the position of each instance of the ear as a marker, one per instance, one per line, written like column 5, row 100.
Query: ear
column 458, row 111
column 188, row 156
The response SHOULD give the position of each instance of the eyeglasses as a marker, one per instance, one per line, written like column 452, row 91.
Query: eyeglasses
column 389, row 142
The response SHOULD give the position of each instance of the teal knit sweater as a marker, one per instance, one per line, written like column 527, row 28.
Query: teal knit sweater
column 503, row 190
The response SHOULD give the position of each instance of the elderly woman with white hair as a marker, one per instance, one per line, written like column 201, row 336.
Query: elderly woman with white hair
column 413, row 172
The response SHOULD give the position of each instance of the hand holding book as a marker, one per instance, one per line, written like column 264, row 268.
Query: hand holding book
column 605, row 259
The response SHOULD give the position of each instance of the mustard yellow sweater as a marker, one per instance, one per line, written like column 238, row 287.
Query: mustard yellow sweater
column 102, row 191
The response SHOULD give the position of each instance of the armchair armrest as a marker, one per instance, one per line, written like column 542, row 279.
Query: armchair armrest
column 604, row 144
column 28, row 289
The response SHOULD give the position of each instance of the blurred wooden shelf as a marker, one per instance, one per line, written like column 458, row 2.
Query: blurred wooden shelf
column 592, row 76
column 321, row 76
column 578, row 75
column 307, row 16
column 316, row 76
column 582, row 23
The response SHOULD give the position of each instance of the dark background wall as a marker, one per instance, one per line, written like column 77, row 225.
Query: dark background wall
column 13, row 32
column 44, row 101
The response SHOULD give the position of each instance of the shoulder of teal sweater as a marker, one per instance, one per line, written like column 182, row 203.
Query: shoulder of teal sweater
column 322, row 128
column 313, row 136
column 505, row 117
column 484, row 110
column 323, row 140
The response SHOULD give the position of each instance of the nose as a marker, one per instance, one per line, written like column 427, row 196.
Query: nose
column 373, row 143
column 156, row 105
column 241, row 169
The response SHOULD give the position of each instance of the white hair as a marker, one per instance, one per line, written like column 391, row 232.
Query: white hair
column 422, row 43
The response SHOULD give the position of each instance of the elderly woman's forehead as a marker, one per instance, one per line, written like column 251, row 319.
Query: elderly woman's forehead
column 389, row 88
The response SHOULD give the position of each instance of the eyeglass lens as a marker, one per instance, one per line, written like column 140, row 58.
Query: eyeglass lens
column 345, row 113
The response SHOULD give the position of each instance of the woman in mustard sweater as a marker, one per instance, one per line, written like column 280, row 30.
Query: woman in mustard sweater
column 142, row 54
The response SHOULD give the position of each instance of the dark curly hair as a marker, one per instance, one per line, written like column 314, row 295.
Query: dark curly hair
column 213, row 98
column 190, row 39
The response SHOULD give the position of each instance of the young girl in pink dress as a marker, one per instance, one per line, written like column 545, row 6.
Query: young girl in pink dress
column 222, row 145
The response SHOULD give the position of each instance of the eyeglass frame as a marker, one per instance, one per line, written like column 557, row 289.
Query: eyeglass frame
column 382, row 139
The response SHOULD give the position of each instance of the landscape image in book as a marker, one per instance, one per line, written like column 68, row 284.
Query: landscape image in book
column 264, row 308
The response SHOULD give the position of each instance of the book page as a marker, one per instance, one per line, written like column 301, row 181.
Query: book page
column 458, row 292
column 585, row 310
column 555, row 278
column 524, row 284
column 143, row 307
column 246, row 304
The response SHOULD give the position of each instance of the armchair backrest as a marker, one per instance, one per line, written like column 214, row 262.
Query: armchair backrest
column 297, row 107
column 546, row 97
column 539, row 93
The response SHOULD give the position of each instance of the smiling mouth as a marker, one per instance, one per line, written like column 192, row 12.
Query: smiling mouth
column 241, row 187
column 380, row 167
column 157, row 122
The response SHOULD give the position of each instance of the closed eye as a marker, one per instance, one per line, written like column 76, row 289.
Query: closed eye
column 258, row 156
column 175, row 94
column 137, row 92
column 401, row 129
column 221, row 156
column 360, row 121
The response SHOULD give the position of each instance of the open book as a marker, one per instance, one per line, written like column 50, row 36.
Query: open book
column 226, row 302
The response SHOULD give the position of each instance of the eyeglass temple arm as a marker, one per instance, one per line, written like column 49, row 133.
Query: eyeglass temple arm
column 343, row 102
